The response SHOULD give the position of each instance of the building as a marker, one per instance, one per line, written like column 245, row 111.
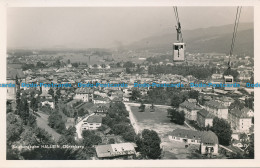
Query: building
column 207, row 140
column 240, row 120
column 92, row 123
column 204, row 118
column 190, row 110
column 84, row 94
column 209, row 143
column 217, row 108
column 49, row 102
column 187, row 136
column 101, row 110
column 116, row 150
column 101, row 100
column 11, row 76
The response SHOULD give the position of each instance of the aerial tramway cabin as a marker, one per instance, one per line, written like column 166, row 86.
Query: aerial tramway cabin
column 228, row 80
column 178, row 52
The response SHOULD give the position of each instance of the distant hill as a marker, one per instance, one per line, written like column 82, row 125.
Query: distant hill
column 212, row 39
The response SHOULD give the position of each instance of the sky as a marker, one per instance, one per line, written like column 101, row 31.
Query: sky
column 105, row 27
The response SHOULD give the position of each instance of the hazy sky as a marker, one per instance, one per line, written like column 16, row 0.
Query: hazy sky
column 106, row 26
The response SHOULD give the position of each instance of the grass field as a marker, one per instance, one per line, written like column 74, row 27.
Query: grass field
column 156, row 120
column 159, row 122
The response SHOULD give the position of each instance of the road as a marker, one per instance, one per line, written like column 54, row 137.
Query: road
column 78, row 126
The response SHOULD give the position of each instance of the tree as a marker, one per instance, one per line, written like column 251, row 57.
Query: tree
column 129, row 64
column 223, row 130
column 56, row 122
column 24, row 111
column 51, row 92
column 142, row 107
column 136, row 94
column 14, row 127
column 149, row 144
column 34, row 104
column 236, row 104
column 176, row 100
column 90, row 139
column 251, row 147
column 111, row 141
column 193, row 94
column 176, row 116
column 68, row 61
column 249, row 102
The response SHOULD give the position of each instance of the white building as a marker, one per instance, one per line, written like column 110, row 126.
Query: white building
column 92, row 123
column 217, row 108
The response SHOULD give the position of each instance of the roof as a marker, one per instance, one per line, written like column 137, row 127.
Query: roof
column 215, row 104
column 84, row 91
column 191, row 134
column 209, row 137
column 94, row 119
column 44, row 94
column 113, row 150
column 239, row 113
column 190, row 105
column 204, row 113
column 204, row 136
column 12, row 73
column 192, row 100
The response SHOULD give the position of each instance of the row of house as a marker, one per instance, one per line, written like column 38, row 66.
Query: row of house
column 240, row 120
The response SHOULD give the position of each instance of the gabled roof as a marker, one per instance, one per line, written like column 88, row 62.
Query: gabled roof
column 204, row 113
column 189, row 105
column 215, row 104
column 191, row 134
column 94, row 119
column 84, row 91
column 204, row 136
column 113, row 150
column 239, row 113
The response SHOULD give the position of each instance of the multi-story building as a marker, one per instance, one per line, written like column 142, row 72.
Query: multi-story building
column 217, row 108
column 240, row 120
column 84, row 94
column 190, row 110
column 92, row 123
column 207, row 140
column 205, row 118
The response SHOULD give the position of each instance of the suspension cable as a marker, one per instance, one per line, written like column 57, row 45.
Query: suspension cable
column 239, row 8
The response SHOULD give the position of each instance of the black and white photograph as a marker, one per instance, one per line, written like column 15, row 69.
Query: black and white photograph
column 130, row 83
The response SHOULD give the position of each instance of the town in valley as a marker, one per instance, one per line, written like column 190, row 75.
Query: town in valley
column 128, row 122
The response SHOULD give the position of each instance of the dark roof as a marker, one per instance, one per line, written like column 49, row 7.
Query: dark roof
column 239, row 113
column 190, row 105
column 12, row 73
column 204, row 113
column 94, row 119
column 209, row 137
column 191, row 134
column 204, row 136
column 84, row 91
column 215, row 104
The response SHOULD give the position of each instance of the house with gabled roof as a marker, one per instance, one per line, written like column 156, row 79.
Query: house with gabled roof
column 190, row 110
column 204, row 118
column 207, row 140
column 217, row 109
column 240, row 120
column 116, row 150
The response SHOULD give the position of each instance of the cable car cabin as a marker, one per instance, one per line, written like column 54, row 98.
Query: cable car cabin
column 228, row 80
column 178, row 52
